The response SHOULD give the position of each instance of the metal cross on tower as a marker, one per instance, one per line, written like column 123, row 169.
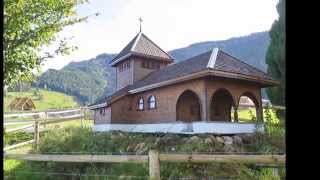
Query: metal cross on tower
column 140, row 19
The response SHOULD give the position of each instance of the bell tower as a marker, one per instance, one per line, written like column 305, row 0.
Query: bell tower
column 137, row 59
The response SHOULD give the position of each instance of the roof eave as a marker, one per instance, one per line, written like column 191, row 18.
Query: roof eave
column 96, row 106
column 263, row 81
column 206, row 72
column 114, row 62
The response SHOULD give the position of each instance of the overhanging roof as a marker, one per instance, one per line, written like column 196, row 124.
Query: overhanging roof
column 211, row 63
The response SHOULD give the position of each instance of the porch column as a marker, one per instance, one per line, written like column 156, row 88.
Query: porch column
column 235, row 114
column 260, row 110
column 260, row 114
column 206, row 105
column 203, row 108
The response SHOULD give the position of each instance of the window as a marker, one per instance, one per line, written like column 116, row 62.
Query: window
column 124, row 66
column 101, row 109
column 152, row 102
column 140, row 104
column 150, row 64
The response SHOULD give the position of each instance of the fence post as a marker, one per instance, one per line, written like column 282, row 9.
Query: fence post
column 45, row 119
column 154, row 165
column 36, row 135
column 82, row 115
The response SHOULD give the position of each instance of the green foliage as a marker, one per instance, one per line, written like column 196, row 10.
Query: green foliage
column 30, row 25
column 85, row 80
column 16, row 137
column 20, row 86
column 275, row 57
column 252, row 116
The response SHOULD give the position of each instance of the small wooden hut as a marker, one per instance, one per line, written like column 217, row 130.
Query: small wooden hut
column 22, row 103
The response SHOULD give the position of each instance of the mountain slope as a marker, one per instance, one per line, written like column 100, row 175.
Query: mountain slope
column 88, row 79
column 43, row 99
column 251, row 49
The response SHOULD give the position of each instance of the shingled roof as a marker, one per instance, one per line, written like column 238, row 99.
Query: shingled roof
column 141, row 45
column 214, row 62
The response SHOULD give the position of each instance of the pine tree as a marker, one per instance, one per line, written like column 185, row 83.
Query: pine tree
column 275, row 57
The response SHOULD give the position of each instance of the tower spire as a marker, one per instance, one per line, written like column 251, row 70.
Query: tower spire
column 140, row 19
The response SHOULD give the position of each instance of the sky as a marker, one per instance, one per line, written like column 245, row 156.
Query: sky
column 171, row 24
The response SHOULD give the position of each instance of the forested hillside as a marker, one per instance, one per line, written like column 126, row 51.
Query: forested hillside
column 89, row 79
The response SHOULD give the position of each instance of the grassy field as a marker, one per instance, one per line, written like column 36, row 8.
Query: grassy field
column 244, row 114
column 49, row 100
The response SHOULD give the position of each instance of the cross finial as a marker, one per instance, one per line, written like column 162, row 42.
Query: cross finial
column 140, row 19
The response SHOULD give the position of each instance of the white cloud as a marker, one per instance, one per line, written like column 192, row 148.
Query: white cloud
column 170, row 23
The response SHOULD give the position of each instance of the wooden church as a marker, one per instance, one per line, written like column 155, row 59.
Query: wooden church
column 197, row 95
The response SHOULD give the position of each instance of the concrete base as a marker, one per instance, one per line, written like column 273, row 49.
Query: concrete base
column 184, row 128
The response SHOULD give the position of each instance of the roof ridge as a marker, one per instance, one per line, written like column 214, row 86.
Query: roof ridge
column 157, row 46
column 213, row 58
column 136, row 41
column 237, row 59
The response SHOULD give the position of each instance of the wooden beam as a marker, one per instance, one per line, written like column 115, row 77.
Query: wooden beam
column 19, row 128
column 154, row 165
column 18, row 145
column 36, row 135
column 201, row 158
column 80, row 158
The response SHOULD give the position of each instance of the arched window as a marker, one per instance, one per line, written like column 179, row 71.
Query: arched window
column 140, row 103
column 152, row 102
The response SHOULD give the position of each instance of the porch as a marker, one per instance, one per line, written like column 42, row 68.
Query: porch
column 213, row 127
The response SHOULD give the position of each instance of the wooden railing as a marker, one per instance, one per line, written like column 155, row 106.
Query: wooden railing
column 44, row 119
column 154, row 158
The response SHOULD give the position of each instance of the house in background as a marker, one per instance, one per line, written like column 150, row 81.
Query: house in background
column 247, row 102
column 22, row 103
column 154, row 94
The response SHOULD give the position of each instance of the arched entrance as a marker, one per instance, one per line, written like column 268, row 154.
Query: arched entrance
column 188, row 107
column 220, row 106
column 249, row 104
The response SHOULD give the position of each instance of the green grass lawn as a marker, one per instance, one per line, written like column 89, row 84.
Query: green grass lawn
column 244, row 114
column 50, row 100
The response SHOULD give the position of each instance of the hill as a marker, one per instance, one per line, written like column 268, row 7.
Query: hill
column 44, row 100
column 89, row 79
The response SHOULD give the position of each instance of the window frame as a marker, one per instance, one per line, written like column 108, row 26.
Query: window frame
column 149, row 102
column 148, row 64
column 138, row 104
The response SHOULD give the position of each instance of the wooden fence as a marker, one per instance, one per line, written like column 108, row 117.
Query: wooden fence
column 154, row 158
column 43, row 119
column 50, row 114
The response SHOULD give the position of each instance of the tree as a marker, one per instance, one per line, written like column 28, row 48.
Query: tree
column 275, row 57
column 30, row 25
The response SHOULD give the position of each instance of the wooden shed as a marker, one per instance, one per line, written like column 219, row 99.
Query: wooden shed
column 22, row 103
